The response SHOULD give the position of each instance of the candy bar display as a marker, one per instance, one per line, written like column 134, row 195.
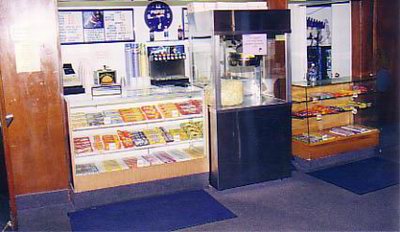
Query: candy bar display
column 169, row 110
column 112, row 117
column 167, row 136
column 178, row 134
column 95, row 119
column 86, row 169
column 164, row 157
column 193, row 129
column 126, row 138
column 189, row 107
column 131, row 115
column 135, row 137
column 195, row 152
column 82, row 145
column 111, row 166
column 321, row 110
column 153, row 160
column 178, row 155
column 154, row 136
column 314, row 137
column 111, row 142
column 98, row 143
column 139, row 138
column 151, row 112
column 78, row 120
column 131, row 162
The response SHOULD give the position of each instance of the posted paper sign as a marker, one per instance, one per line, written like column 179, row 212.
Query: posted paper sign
column 96, row 26
column 255, row 44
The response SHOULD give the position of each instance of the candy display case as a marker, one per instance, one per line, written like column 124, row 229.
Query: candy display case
column 144, row 135
column 234, row 57
column 332, row 117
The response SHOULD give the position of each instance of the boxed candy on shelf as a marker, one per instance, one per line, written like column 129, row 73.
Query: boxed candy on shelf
column 139, row 138
column 86, row 169
column 167, row 136
column 179, row 155
column 153, row 160
column 131, row 115
column 112, row 117
column 111, row 142
column 98, row 143
column 178, row 134
column 189, row 107
column 126, row 138
column 151, row 112
column 95, row 119
column 111, row 166
column 154, row 136
column 82, row 145
column 193, row 129
column 169, row 110
column 78, row 120
column 164, row 157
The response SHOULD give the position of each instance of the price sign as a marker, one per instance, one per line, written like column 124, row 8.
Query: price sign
column 107, row 120
column 319, row 117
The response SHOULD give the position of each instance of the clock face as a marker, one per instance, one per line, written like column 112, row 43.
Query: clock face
column 158, row 15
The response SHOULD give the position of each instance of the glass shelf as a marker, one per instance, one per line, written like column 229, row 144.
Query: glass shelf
column 333, row 81
column 331, row 98
column 134, row 96
column 148, row 147
column 317, row 2
column 340, row 112
column 127, row 124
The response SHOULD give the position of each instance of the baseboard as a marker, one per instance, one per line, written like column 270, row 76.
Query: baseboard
column 304, row 165
column 43, row 199
column 128, row 192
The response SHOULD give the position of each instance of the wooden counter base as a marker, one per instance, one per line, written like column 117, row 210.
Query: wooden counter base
column 341, row 145
column 140, row 175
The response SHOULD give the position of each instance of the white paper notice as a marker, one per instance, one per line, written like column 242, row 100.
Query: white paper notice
column 71, row 26
column 27, row 56
column 118, row 25
column 255, row 44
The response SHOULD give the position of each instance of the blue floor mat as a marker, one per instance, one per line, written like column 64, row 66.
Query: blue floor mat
column 162, row 213
column 363, row 176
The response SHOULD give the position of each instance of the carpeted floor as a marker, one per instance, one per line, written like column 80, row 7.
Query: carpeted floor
column 301, row 202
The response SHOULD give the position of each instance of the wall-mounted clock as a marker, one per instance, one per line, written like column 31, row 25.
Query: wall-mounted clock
column 158, row 16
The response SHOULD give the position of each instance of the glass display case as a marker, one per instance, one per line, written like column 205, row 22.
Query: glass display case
column 236, row 58
column 334, row 116
column 143, row 135
column 238, row 69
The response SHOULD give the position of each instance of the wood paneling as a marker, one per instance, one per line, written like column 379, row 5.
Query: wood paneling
column 362, row 38
column 277, row 4
column 35, row 139
column 386, row 54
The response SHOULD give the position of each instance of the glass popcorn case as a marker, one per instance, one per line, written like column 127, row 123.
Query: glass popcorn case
column 238, row 57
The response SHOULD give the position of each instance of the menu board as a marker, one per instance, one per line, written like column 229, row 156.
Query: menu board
column 96, row 26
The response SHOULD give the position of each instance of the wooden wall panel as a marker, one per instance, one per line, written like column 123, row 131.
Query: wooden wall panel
column 386, row 53
column 362, row 38
column 36, row 139
column 277, row 4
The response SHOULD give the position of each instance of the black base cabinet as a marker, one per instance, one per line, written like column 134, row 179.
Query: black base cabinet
column 249, row 145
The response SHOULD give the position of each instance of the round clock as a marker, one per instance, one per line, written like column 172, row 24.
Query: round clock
column 158, row 16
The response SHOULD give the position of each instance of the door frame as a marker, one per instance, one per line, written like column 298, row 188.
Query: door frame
column 7, row 158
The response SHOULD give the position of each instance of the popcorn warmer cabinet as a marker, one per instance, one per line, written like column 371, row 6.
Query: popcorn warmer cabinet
column 237, row 60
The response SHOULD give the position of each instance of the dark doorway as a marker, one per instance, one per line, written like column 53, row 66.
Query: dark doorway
column 4, row 193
